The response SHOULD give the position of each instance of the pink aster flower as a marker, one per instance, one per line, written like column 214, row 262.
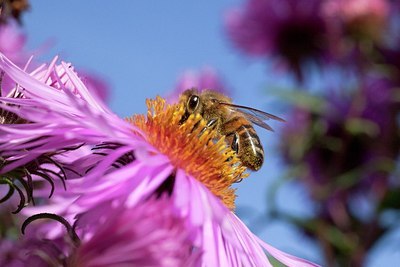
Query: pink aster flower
column 132, row 162
column 149, row 234
column 207, row 78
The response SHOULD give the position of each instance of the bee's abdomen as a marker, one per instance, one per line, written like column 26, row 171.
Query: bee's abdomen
column 245, row 142
column 250, row 151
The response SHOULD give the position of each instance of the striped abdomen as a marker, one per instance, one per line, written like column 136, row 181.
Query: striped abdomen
column 244, row 140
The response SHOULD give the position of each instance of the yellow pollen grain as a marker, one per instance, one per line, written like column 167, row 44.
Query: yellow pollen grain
column 202, row 153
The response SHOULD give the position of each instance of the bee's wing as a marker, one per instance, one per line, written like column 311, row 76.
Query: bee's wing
column 254, row 115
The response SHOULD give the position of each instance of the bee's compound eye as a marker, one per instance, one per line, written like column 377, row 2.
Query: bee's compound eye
column 193, row 102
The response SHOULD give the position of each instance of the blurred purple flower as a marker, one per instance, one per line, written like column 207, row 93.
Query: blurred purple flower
column 290, row 30
column 380, row 101
column 346, row 154
column 207, row 78
column 130, row 165
column 9, row 253
column 391, row 58
column 349, row 148
column 30, row 250
column 359, row 19
column 12, row 43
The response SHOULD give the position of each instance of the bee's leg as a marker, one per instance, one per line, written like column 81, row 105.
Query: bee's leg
column 235, row 143
column 238, row 180
column 184, row 118
column 233, row 140
column 235, row 147
column 211, row 124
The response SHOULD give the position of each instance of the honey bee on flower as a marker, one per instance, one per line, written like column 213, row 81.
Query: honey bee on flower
column 235, row 122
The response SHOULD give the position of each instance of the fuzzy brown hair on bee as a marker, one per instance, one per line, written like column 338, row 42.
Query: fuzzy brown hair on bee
column 233, row 121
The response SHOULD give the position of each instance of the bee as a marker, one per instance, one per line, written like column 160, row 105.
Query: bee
column 233, row 121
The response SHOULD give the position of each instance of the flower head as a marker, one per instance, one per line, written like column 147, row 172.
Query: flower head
column 359, row 19
column 289, row 30
column 132, row 163
column 209, row 161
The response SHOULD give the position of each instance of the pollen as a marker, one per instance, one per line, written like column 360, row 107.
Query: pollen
column 190, row 146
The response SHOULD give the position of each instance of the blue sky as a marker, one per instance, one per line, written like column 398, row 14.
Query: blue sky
column 141, row 47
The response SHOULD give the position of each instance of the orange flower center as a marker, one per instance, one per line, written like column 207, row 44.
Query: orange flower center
column 201, row 152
